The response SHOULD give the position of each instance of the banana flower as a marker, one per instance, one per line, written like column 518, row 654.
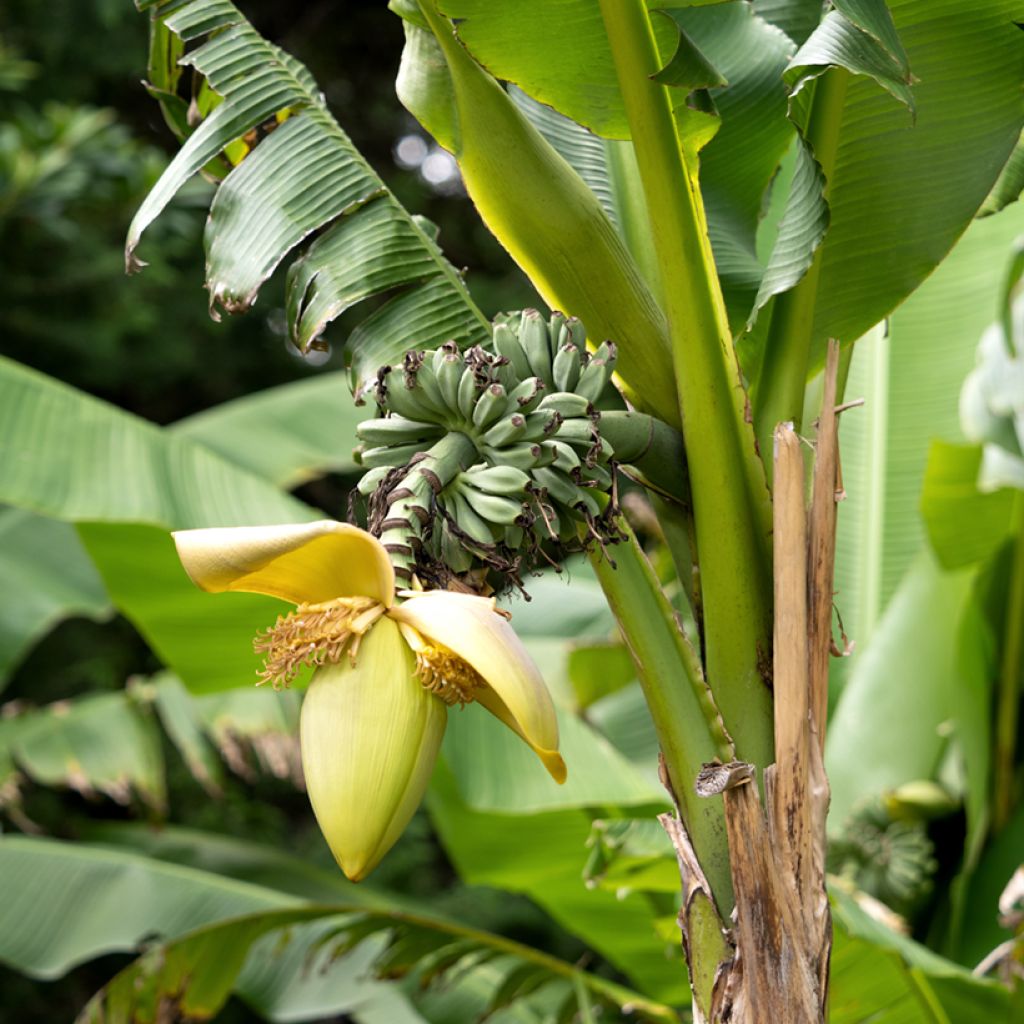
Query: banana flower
column 387, row 668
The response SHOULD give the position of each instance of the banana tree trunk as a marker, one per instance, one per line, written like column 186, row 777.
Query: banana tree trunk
column 770, row 963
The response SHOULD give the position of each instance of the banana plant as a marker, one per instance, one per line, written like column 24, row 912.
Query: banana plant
column 627, row 167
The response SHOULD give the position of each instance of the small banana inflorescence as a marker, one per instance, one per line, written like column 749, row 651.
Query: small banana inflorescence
column 494, row 457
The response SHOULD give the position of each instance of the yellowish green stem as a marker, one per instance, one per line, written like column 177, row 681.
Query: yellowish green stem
column 731, row 508
column 689, row 728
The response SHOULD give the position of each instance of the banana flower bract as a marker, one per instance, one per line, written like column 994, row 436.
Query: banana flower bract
column 387, row 668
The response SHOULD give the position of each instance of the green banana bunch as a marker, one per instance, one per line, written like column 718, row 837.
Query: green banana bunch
column 532, row 470
column 891, row 858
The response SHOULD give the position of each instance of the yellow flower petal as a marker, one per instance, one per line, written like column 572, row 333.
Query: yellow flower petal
column 370, row 735
column 516, row 693
column 305, row 562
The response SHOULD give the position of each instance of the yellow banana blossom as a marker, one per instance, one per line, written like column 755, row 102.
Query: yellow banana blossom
column 387, row 668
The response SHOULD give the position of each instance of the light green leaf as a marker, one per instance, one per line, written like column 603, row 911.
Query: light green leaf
column 918, row 681
column 114, row 901
column 586, row 153
column 105, row 902
column 873, row 18
column 945, row 988
column 497, row 772
column 840, row 42
column 75, row 458
column 624, row 718
column 739, row 163
column 596, row 670
column 47, row 578
column 964, row 525
column 70, row 456
column 982, row 932
column 911, row 381
column 200, row 966
column 303, row 177
column 689, row 68
column 177, row 712
column 246, row 724
column 287, row 434
column 191, row 977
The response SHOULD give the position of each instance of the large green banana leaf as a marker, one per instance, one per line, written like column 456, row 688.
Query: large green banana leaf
column 100, row 743
column 110, row 899
column 289, row 434
column 902, row 190
column 47, row 577
column 126, row 483
column 910, row 380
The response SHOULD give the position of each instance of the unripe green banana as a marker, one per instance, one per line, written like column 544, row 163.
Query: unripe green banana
column 496, row 509
column 556, row 324
column 505, row 431
column 449, row 375
column 426, row 381
column 394, row 430
column 565, row 458
column 506, row 344
column 528, row 394
column 565, row 404
column 533, row 336
column 594, row 379
column 586, row 498
column 370, row 481
column 468, row 521
column 521, row 455
column 467, row 394
column 513, row 537
column 596, row 476
column 409, row 402
column 558, row 486
column 577, row 333
column 490, row 406
column 583, row 436
column 504, row 480
column 388, row 455
column 454, row 553
column 566, row 366
column 503, row 374
column 540, row 425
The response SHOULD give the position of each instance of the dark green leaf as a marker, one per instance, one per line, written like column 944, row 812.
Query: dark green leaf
column 797, row 18
column 301, row 176
column 102, row 743
column 1009, row 184
column 47, row 577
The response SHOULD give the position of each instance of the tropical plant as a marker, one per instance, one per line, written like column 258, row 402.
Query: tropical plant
column 710, row 193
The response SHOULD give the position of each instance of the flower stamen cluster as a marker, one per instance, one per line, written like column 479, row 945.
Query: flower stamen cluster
column 445, row 675
column 313, row 635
